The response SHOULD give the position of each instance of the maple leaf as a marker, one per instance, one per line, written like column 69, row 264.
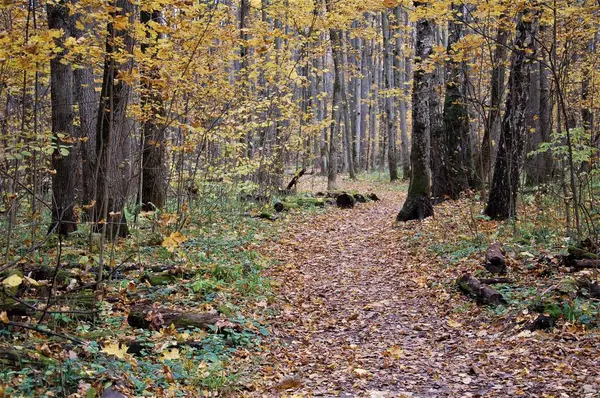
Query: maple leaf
column 116, row 349
column 170, row 355
column 12, row 281
column 173, row 241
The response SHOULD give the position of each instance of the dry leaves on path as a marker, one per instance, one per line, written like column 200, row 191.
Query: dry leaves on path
column 362, row 312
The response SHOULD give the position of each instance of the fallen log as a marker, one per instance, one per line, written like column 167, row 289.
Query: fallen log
column 593, row 289
column 159, row 279
column 542, row 322
column 578, row 253
column 294, row 180
column 492, row 281
column 156, row 318
column 495, row 261
column 345, row 201
column 360, row 198
column 479, row 291
column 586, row 263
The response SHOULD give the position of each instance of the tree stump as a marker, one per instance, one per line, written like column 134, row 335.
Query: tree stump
column 495, row 261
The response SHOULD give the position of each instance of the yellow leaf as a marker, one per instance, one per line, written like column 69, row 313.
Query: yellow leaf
column 170, row 354
column 12, row 281
column 31, row 281
column 4, row 317
column 116, row 349
column 395, row 352
column 361, row 372
column 173, row 241
column 453, row 324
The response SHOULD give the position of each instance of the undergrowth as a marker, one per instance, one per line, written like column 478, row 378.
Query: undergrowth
column 207, row 250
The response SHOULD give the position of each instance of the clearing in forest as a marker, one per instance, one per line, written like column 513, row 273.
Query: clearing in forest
column 367, row 307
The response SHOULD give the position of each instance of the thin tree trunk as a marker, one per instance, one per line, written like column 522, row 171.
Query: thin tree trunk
column 154, row 179
column 492, row 127
column 390, row 109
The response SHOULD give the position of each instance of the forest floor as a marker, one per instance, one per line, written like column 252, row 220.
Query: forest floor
column 367, row 307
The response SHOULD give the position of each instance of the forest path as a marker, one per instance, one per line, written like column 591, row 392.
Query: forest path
column 358, row 317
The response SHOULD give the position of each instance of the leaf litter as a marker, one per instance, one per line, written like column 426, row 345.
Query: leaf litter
column 365, row 308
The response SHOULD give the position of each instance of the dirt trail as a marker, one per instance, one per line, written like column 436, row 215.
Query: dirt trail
column 358, row 318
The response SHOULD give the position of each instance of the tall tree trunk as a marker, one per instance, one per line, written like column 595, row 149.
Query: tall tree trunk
column 492, row 127
column 336, row 48
column 439, row 155
column 502, row 202
column 418, row 203
column 348, row 123
column 402, row 71
column 113, row 129
column 64, row 156
column 455, row 162
column 390, row 108
column 87, row 103
column 154, row 179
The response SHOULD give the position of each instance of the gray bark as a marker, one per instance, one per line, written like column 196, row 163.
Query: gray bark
column 418, row 204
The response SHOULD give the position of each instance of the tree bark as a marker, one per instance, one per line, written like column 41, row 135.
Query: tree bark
column 418, row 203
column 492, row 127
column 402, row 66
column 154, row 179
column 502, row 203
column 87, row 102
column 64, row 156
column 454, row 163
column 390, row 108
column 336, row 48
column 112, row 131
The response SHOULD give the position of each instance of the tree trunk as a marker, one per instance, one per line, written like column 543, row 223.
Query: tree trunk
column 87, row 102
column 335, row 37
column 390, row 109
column 154, row 179
column 492, row 127
column 112, row 131
column 418, row 203
column 402, row 66
column 64, row 156
column 454, row 165
column 502, row 203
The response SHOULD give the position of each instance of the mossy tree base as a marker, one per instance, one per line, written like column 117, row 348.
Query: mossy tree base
column 416, row 207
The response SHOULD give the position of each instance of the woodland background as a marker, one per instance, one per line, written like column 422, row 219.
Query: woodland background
column 158, row 132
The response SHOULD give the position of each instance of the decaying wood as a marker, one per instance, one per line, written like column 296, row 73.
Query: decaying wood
column 582, row 264
column 492, row 281
column 542, row 322
column 155, row 318
column 578, row 253
column 360, row 198
column 345, row 201
column 495, row 261
column 294, row 180
column 479, row 291
column 592, row 287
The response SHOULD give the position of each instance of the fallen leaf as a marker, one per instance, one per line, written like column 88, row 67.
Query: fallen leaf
column 170, row 355
column 12, row 281
column 116, row 349
column 362, row 373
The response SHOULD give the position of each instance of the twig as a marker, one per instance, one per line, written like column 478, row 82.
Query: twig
column 46, row 331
